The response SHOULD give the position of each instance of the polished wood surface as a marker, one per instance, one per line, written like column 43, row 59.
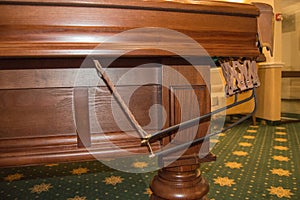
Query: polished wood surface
column 183, row 100
column 53, row 110
column 74, row 28
column 37, row 113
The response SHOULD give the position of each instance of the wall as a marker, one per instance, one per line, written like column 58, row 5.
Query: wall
column 291, row 55
column 291, row 35
column 268, row 94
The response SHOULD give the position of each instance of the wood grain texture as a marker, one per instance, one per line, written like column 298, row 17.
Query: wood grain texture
column 33, row 151
column 75, row 28
column 53, row 109
column 201, row 6
column 43, row 44
column 36, row 112
column 82, row 116
column 47, row 112
column 68, row 78
column 187, row 96
column 107, row 116
column 38, row 125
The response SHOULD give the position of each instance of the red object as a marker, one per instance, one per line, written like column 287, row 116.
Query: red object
column 278, row 17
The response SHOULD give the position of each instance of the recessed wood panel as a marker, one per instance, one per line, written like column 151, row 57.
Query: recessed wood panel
column 36, row 112
column 45, row 112
column 49, row 115
column 188, row 97
column 107, row 116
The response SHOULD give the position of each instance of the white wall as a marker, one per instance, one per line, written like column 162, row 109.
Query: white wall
column 291, row 57
column 291, row 40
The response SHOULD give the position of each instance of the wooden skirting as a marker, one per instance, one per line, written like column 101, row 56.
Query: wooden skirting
column 25, row 151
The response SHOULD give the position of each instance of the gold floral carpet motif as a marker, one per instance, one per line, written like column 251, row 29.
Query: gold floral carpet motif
column 253, row 162
column 256, row 162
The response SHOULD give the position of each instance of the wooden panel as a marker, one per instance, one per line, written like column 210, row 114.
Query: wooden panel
column 188, row 97
column 182, row 76
column 39, row 108
column 82, row 116
column 83, row 77
column 31, row 151
column 11, row 144
column 38, row 125
column 36, row 112
column 45, row 112
column 188, row 102
column 107, row 116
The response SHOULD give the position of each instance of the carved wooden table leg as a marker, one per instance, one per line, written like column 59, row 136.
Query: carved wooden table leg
column 182, row 182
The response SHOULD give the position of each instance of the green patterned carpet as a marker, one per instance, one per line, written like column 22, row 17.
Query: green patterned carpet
column 256, row 162
column 253, row 162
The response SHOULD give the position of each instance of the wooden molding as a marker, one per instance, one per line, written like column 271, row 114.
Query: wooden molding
column 76, row 28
